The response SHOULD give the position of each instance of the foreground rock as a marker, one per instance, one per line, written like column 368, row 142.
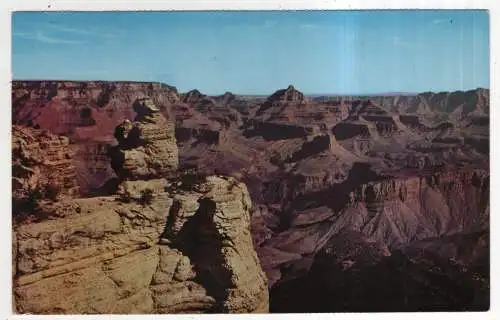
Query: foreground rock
column 120, row 258
column 176, row 245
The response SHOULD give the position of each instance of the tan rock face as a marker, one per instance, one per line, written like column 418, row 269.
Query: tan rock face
column 184, row 252
column 42, row 164
column 163, row 244
column 214, row 234
column 147, row 148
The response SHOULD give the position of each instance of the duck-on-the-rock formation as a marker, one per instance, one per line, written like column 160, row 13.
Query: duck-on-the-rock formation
column 158, row 246
column 147, row 147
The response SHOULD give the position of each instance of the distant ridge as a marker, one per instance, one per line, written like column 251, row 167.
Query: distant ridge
column 385, row 94
column 262, row 95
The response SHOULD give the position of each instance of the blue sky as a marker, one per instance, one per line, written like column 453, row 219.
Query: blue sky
column 343, row 52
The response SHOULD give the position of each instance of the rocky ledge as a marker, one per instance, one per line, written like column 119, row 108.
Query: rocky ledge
column 181, row 251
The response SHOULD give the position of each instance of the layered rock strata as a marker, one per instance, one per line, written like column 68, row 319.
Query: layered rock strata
column 186, row 251
column 147, row 148
column 42, row 165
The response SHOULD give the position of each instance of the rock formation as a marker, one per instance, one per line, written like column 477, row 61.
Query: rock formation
column 62, row 106
column 147, row 148
column 87, row 113
column 194, row 96
column 184, row 252
column 389, row 213
column 290, row 108
column 41, row 166
column 165, row 243
column 226, row 99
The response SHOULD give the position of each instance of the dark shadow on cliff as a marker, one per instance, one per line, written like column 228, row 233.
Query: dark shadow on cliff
column 200, row 241
column 359, row 174
column 311, row 148
column 274, row 131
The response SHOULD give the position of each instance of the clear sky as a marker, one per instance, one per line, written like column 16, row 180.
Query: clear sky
column 342, row 52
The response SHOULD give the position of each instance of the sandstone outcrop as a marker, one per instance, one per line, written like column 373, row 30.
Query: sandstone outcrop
column 42, row 165
column 147, row 148
column 186, row 251
column 165, row 243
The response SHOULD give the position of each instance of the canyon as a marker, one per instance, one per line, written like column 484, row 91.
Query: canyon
column 132, row 197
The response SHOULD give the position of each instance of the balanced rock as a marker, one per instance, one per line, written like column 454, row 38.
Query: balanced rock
column 147, row 147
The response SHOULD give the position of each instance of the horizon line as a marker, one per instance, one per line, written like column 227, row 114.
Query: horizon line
column 395, row 93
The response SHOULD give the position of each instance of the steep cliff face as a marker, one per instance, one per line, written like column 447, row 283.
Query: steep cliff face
column 402, row 210
column 275, row 131
column 164, row 243
column 62, row 106
column 42, row 165
column 458, row 104
column 389, row 213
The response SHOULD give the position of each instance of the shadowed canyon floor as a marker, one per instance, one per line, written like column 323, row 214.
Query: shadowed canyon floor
column 327, row 203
